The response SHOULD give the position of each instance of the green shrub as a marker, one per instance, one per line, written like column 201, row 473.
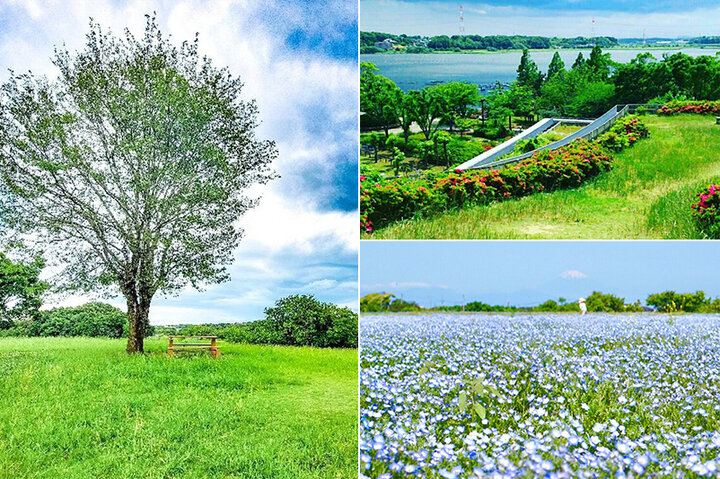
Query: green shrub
column 691, row 106
column 91, row 319
column 670, row 301
column 624, row 132
column 302, row 320
column 604, row 303
column 706, row 212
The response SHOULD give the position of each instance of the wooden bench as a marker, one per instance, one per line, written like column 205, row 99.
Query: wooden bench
column 180, row 346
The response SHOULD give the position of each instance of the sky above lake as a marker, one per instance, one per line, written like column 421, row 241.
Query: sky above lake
column 299, row 61
column 568, row 18
column 526, row 273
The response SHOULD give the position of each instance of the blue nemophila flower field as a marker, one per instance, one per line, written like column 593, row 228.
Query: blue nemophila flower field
column 477, row 395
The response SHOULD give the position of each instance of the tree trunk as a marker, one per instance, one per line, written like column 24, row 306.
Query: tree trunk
column 138, row 320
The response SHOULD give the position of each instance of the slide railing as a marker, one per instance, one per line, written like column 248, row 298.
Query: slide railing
column 596, row 128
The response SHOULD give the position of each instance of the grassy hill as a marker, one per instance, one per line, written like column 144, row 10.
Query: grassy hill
column 81, row 407
column 647, row 195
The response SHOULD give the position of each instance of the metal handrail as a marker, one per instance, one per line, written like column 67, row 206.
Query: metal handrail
column 597, row 127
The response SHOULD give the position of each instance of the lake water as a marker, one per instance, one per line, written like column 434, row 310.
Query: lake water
column 414, row 71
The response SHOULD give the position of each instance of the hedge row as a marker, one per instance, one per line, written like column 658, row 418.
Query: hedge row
column 690, row 106
column 90, row 319
column 383, row 202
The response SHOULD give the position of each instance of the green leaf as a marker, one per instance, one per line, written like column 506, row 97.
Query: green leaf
column 462, row 400
column 479, row 410
column 492, row 389
column 478, row 386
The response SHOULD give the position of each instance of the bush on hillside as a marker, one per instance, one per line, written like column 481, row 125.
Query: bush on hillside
column 706, row 212
column 385, row 201
column 382, row 202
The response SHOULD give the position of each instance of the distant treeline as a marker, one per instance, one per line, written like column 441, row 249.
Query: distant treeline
column 420, row 44
column 668, row 301
column 478, row 42
column 298, row 320
column 713, row 40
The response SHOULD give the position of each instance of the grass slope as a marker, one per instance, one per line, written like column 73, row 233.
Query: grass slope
column 80, row 407
column 647, row 195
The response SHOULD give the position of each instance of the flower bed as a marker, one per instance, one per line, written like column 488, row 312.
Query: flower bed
column 707, row 211
column 383, row 202
column 696, row 107
column 470, row 396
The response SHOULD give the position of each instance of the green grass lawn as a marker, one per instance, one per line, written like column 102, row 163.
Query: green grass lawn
column 81, row 407
column 647, row 195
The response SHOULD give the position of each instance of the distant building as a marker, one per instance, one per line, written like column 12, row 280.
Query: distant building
column 387, row 44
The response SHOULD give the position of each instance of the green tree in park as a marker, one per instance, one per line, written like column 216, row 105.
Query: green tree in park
column 442, row 139
column 133, row 165
column 21, row 290
column 376, row 140
column 427, row 148
column 604, row 302
column 518, row 100
column 579, row 62
column 426, row 107
column 457, row 100
column 527, row 72
column 302, row 320
column 557, row 66
column 397, row 160
column 598, row 65
column 669, row 301
column 405, row 115
column 380, row 98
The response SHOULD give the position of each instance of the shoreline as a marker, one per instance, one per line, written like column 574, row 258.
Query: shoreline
column 531, row 50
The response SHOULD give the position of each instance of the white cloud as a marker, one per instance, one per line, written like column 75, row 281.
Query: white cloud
column 573, row 274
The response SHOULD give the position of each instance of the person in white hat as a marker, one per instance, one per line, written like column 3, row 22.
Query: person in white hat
column 583, row 308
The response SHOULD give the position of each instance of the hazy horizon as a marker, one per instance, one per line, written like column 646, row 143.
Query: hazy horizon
column 569, row 18
column 527, row 273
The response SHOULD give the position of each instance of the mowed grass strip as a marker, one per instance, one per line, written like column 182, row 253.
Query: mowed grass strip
column 646, row 195
column 81, row 407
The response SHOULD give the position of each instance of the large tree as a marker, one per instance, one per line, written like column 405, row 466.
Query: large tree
column 426, row 107
column 132, row 165
column 457, row 99
column 528, row 73
column 557, row 66
column 380, row 99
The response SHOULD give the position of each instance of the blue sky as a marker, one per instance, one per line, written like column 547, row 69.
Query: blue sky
column 525, row 273
column 568, row 18
column 299, row 61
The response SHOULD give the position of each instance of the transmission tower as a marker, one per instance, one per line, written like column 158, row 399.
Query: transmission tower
column 592, row 30
column 462, row 21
